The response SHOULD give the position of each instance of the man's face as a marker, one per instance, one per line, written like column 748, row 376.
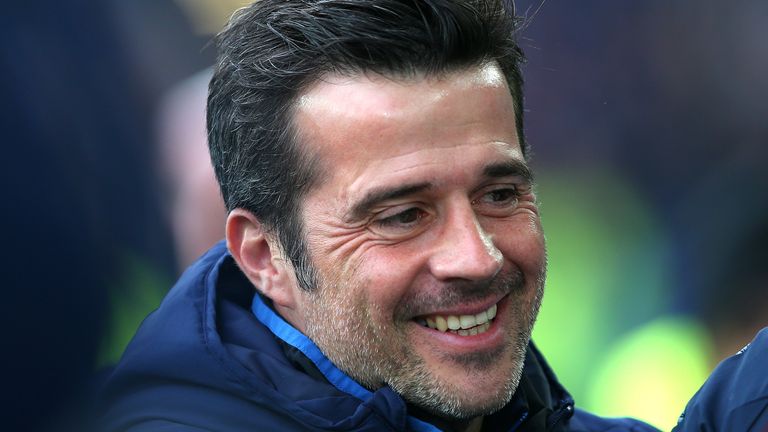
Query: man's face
column 426, row 219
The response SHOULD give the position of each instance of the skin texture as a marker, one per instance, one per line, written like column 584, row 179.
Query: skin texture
column 426, row 207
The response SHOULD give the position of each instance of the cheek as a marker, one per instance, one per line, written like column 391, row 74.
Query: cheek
column 388, row 274
column 522, row 242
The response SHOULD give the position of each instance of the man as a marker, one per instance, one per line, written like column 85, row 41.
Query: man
column 384, row 261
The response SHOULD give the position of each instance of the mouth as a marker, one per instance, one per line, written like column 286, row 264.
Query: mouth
column 461, row 325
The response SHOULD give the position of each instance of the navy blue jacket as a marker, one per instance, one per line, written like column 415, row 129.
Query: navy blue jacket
column 735, row 396
column 214, row 356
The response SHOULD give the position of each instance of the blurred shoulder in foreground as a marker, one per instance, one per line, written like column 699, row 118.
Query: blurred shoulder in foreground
column 735, row 397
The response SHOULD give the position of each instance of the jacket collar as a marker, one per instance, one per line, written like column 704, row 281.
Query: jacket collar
column 292, row 337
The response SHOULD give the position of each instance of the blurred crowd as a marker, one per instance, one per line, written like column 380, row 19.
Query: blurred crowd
column 648, row 124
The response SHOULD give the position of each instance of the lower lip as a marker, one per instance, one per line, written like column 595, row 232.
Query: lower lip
column 482, row 341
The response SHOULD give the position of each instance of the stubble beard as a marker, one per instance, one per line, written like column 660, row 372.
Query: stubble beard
column 340, row 321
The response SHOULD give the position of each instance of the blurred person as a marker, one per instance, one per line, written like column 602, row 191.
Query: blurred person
column 196, row 211
column 56, row 108
column 384, row 261
column 55, row 268
column 734, row 300
column 735, row 396
column 78, row 194
column 157, row 48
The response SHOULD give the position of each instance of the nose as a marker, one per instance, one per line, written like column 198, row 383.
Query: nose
column 464, row 250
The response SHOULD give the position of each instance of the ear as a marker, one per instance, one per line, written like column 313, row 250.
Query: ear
column 257, row 254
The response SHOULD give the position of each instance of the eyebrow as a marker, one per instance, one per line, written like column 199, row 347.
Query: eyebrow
column 509, row 168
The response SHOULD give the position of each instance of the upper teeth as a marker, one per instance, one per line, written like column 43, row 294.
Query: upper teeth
column 461, row 322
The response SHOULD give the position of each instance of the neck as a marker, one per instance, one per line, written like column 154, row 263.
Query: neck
column 445, row 424
column 468, row 425
column 474, row 425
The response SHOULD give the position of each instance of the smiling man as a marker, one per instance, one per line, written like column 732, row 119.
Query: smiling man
column 423, row 235
column 384, row 260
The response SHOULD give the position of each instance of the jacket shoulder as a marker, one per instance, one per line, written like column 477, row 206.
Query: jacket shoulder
column 735, row 396
column 583, row 421
column 177, row 375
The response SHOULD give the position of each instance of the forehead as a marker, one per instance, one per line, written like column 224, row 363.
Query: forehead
column 354, row 123
column 373, row 96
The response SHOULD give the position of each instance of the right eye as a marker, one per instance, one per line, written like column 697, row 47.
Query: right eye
column 400, row 222
column 404, row 219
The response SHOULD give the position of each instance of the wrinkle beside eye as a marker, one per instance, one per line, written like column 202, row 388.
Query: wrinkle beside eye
column 339, row 242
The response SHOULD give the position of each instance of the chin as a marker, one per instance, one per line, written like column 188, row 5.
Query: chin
column 470, row 406
column 462, row 392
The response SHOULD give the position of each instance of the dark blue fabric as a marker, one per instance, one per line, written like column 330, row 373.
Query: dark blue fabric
column 735, row 397
column 203, row 361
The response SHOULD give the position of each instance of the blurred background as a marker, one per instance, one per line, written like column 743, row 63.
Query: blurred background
column 649, row 126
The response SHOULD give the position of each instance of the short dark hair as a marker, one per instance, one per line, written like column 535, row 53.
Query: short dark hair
column 274, row 49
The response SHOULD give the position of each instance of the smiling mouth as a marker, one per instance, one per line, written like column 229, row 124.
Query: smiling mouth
column 462, row 325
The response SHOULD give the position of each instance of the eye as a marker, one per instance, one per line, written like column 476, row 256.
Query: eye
column 401, row 222
column 403, row 219
column 502, row 196
column 498, row 201
column 499, row 197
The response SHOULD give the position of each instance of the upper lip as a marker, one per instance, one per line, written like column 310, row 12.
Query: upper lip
column 466, row 309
